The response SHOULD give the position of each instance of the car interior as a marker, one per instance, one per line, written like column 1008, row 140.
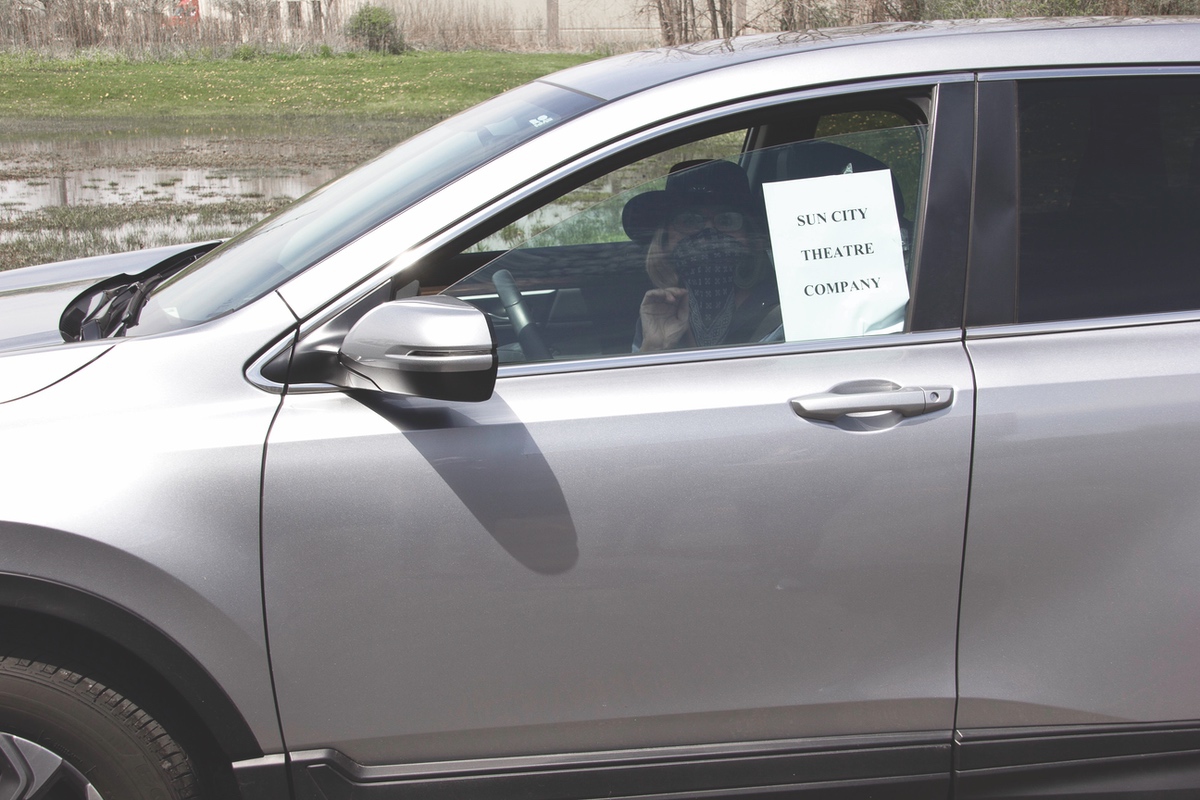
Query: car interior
column 579, row 282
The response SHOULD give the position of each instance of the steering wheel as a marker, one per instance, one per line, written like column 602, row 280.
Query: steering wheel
column 533, row 346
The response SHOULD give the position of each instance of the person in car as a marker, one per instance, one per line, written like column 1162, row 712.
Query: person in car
column 708, row 259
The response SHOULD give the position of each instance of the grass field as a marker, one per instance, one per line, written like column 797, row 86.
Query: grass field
column 415, row 84
column 265, row 114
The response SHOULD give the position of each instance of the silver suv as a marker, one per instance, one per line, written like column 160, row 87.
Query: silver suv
column 808, row 415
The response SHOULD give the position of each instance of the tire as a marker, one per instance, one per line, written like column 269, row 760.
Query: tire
column 64, row 736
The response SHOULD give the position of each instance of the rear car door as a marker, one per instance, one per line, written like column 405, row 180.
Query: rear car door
column 1079, row 650
column 725, row 568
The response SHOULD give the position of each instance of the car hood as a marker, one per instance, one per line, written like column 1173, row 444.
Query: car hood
column 33, row 298
column 31, row 301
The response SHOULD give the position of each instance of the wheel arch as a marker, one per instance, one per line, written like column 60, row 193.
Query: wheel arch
column 98, row 635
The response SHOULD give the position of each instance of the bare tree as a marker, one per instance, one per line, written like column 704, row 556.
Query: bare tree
column 679, row 21
column 552, row 23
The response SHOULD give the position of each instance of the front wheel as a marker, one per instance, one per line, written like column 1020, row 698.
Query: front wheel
column 64, row 736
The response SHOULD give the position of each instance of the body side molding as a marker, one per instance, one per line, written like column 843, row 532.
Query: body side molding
column 889, row 765
column 1152, row 760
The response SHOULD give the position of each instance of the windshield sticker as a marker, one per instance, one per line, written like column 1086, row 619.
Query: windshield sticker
column 838, row 255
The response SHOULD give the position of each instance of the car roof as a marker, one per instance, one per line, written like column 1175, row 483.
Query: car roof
column 1077, row 40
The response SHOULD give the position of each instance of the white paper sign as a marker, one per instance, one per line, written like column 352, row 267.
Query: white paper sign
column 838, row 254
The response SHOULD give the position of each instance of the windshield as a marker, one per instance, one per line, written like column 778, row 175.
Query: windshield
column 255, row 262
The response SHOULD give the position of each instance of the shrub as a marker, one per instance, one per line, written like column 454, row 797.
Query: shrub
column 376, row 26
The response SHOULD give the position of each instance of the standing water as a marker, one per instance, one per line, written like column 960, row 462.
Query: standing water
column 107, row 186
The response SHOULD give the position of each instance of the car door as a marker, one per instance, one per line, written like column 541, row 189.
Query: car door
column 1079, row 649
column 721, row 568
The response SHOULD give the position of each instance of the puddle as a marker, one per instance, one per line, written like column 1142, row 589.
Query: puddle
column 193, row 186
column 119, row 164
column 133, row 182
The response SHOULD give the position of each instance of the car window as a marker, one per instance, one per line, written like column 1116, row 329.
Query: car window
column 710, row 245
column 1109, row 197
column 642, row 173
column 901, row 149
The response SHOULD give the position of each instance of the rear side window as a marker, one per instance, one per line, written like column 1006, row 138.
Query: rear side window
column 1109, row 197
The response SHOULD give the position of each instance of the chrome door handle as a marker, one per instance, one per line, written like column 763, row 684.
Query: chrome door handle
column 908, row 401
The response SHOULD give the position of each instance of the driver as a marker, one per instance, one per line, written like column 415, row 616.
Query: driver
column 708, row 259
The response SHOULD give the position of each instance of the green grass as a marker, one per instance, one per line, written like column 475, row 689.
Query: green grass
column 426, row 85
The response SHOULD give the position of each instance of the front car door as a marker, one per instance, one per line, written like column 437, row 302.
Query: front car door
column 714, row 567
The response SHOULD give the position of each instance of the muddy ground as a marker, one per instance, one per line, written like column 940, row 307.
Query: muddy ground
column 91, row 187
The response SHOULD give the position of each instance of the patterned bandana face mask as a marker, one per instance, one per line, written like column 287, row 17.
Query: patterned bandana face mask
column 706, row 263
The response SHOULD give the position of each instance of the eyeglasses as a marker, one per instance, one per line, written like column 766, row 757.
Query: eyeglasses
column 689, row 222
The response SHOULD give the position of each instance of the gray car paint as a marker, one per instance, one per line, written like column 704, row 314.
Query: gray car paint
column 1079, row 595
column 163, row 437
column 28, row 371
column 616, row 558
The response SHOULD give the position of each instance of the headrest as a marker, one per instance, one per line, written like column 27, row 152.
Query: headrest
column 819, row 158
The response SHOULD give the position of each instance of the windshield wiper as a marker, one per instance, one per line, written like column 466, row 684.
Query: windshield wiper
column 117, row 310
column 111, row 306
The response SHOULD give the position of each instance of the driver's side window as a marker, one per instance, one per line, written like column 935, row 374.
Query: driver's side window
column 712, row 245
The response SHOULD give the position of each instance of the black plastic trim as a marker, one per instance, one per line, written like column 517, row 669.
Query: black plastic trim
column 941, row 275
column 1157, row 760
column 983, row 749
column 145, row 642
column 992, row 271
column 892, row 766
column 263, row 778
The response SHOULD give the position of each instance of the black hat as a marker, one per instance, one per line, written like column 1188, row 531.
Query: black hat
column 690, row 184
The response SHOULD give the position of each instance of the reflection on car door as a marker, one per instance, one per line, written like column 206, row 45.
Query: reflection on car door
column 656, row 556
